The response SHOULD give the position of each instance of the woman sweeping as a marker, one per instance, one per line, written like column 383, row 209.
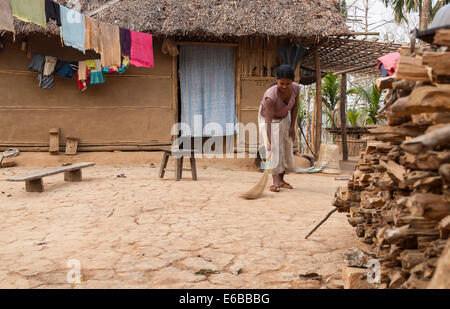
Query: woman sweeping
column 277, row 117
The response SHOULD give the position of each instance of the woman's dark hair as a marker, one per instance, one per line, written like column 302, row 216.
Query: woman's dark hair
column 285, row 71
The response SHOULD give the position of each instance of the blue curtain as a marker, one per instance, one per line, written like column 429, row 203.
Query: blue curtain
column 207, row 83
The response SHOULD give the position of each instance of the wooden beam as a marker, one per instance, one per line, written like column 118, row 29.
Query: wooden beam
column 209, row 44
column 359, row 33
column 317, row 128
column 353, row 70
column 342, row 109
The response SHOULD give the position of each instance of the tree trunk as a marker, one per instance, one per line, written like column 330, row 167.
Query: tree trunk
column 424, row 14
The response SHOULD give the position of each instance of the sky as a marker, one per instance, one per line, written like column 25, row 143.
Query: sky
column 381, row 20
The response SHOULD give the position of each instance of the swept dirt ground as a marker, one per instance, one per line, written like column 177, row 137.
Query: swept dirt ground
column 145, row 232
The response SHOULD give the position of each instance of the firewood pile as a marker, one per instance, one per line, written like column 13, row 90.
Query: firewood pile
column 398, row 198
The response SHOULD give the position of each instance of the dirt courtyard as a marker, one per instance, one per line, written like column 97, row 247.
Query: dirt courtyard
column 144, row 232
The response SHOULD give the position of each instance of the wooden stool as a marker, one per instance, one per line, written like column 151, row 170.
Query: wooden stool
column 180, row 154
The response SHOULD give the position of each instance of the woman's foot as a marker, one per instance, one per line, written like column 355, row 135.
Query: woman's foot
column 275, row 188
column 285, row 185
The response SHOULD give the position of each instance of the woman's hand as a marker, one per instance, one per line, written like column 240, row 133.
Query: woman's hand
column 292, row 133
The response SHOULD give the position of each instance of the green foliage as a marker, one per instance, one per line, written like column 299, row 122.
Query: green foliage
column 371, row 96
column 402, row 7
column 343, row 9
column 330, row 97
column 437, row 6
column 353, row 116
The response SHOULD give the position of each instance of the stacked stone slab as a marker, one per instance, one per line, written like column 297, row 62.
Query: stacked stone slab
column 398, row 198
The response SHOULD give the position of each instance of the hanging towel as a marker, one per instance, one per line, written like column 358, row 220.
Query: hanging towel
column 110, row 45
column 141, row 49
column 82, row 68
column 96, row 76
column 52, row 11
column 125, row 41
column 72, row 28
column 49, row 67
column 37, row 63
column 92, row 34
column 29, row 11
column 6, row 18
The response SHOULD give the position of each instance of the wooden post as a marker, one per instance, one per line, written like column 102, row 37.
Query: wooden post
column 174, row 92
column 342, row 109
column 73, row 176
column 317, row 127
column 237, row 65
column 35, row 185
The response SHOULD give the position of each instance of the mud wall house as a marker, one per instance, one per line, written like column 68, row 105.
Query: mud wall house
column 227, row 54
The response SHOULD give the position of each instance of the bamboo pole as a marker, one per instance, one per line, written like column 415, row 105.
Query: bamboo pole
column 269, row 58
column 317, row 128
column 342, row 105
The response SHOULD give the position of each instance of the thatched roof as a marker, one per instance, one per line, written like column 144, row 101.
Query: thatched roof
column 217, row 18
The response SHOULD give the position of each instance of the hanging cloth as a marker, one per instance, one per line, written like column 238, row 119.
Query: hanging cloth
column 141, row 49
column 82, row 68
column 6, row 18
column 390, row 62
column 125, row 42
column 91, row 64
column 49, row 67
column 37, row 63
column 83, row 76
column 291, row 54
column 110, row 45
column 46, row 82
column 52, row 11
column 73, row 28
column 67, row 69
column 92, row 33
column 96, row 76
column 29, row 11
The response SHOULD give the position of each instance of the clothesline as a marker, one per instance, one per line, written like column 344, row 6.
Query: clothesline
column 82, row 32
column 118, row 47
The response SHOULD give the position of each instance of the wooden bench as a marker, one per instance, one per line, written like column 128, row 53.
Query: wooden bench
column 179, row 155
column 34, row 183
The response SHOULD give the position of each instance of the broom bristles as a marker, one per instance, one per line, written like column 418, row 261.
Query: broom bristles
column 258, row 189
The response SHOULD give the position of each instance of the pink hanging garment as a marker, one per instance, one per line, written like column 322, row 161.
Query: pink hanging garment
column 141, row 49
column 390, row 62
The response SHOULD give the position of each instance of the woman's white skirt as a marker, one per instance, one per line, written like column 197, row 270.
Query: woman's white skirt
column 281, row 157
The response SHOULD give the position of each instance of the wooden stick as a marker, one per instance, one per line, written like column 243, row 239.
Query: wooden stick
column 321, row 222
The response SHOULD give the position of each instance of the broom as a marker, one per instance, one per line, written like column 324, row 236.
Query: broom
column 257, row 190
